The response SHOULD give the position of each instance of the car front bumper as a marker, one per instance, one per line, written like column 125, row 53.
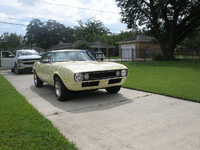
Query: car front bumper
column 25, row 66
column 97, row 84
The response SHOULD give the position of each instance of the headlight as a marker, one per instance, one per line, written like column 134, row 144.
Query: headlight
column 118, row 73
column 78, row 77
column 124, row 73
column 86, row 76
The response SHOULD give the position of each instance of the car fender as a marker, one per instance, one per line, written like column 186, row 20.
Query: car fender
column 66, row 75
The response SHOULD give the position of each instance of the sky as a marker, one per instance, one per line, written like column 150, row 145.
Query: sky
column 15, row 15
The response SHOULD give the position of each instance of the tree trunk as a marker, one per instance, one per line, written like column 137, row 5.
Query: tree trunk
column 167, row 51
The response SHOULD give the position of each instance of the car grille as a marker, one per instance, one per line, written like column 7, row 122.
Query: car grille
column 102, row 75
column 28, row 61
column 36, row 59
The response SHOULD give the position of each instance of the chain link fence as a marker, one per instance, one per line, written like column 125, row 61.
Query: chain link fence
column 147, row 54
column 135, row 55
column 187, row 53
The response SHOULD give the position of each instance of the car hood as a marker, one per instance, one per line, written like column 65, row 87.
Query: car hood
column 29, row 57
column 90, row 66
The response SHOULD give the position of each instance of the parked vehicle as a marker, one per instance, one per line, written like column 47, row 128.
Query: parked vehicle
column 21, row 60
column 100, row 56
column 77, row 70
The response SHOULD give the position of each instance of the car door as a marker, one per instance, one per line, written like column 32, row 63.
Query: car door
column 7, row 60
column 45, row 68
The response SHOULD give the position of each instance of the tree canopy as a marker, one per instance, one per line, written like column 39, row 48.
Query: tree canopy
column 168, row 21
column 83, row 46
column 192, row 40
column 47, row 34
column 10, row 40
column 90, row 29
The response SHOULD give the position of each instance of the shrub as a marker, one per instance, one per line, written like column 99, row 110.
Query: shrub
column 161, row 58
column 157, row 58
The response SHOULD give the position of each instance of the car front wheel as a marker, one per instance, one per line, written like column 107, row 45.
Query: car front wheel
column 113, row 89
column 17, row 71
column 62, row 93
column 37, row 81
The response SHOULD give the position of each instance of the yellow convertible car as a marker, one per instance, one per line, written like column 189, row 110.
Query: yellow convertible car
column 77, row 70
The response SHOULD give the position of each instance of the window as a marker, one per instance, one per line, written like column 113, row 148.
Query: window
column 26, row 53
column 46, row 58
column 7, row 55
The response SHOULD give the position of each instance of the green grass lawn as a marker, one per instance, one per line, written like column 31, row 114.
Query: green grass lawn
column 179, row 79
column 23, row 127
column 115, row 57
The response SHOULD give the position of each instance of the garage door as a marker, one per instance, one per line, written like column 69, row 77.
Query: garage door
column 128, row 51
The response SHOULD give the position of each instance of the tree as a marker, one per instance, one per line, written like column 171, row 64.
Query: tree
column 58, row 32
column 90, row 29
column 83, row 46
column 192, row 40
column 35, row 31
column 168, row 21
column 10, row 40
column 47, row 34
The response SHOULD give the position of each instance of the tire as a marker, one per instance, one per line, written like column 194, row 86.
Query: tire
column 37, row 81
column 28, row 70
column 62, row 93
column 16, row 70
column 114, row 89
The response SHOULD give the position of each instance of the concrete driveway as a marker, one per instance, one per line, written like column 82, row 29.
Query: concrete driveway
column 129, row 120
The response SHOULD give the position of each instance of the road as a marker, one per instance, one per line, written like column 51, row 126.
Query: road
column 129, row 120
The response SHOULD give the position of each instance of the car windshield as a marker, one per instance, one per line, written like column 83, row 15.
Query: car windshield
column 63, row 56
column 26, row 53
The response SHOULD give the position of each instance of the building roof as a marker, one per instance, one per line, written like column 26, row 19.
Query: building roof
column 137, row 38
column 74, row 44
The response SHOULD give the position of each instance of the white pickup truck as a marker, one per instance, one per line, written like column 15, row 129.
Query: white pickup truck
column 21, row 60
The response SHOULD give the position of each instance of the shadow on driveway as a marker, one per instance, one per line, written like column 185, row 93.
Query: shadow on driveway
column 82, row 101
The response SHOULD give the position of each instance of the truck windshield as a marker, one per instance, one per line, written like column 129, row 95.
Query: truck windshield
column 26, row 53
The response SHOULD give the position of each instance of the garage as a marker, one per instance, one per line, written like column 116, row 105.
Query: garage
column 128, row 51
column 134, row 47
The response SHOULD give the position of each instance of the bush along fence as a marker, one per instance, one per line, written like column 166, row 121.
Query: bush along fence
column 187, row 53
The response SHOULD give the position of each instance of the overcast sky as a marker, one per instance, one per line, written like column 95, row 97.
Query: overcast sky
column 67, row 12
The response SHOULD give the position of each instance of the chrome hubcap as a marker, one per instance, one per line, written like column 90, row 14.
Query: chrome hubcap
column 58, row 88
column 16, row 69
column 35, row 78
